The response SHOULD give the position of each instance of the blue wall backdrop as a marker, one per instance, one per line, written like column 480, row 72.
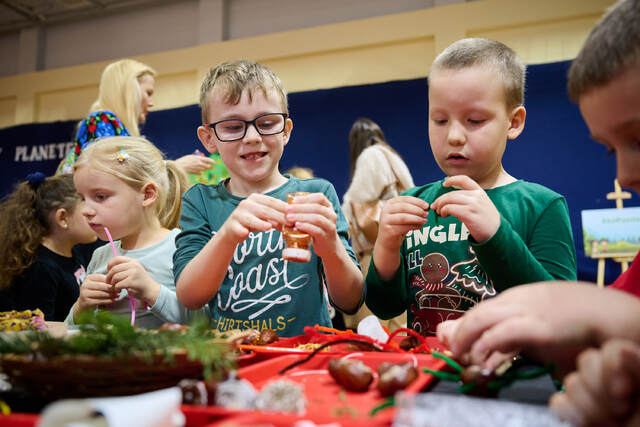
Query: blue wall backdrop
column 554, row 150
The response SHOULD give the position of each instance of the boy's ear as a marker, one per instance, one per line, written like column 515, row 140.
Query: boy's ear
column 149, row 194
column 288, row 126
column 206, row 136
column 516, row 122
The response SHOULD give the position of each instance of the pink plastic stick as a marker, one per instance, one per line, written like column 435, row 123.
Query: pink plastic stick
column 132, row 303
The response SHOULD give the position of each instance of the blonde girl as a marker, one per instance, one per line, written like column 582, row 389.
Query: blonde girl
column 125, row 97
column 131, row 191
column 40, row 267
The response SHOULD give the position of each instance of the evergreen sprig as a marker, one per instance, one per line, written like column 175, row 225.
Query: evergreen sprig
column 104, row 334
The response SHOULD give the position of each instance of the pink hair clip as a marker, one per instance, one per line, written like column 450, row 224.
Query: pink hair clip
column 122, row 155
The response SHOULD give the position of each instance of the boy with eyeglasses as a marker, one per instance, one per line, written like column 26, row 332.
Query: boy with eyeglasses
column 486, row 230
column 229, row 253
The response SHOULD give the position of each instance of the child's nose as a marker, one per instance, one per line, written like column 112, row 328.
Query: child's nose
column 87, row 210
column 251, row 134
column 455, row 134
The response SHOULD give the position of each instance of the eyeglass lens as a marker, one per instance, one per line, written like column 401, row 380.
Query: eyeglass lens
column 268, row 124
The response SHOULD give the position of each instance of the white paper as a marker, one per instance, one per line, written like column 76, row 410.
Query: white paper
column 371, row 327
column 159, row 408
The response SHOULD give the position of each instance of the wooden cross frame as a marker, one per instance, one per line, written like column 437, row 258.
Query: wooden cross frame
column 618, row 195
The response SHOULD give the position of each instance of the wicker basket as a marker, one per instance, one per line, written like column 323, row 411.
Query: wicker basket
column 89, row 376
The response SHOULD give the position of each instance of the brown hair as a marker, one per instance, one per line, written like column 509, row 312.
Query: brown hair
column 364, row 133
column 472, row 52
column 612, row 47
column 232, row 78
column 143, row 162
column 26, row 220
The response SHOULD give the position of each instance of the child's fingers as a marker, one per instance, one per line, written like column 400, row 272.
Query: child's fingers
column 118, row 268
column 117, row 261
column 98, row 295
column 565, row 410
column 462, row 182
column 582, row 399
column 97, row 278
column 405, row 202
column 590, row 366
column 620, row 361
column 265, row 208
column 454, row 197
column 271, row 202
column 310, row 208
column 404, row 210
column 249, row 222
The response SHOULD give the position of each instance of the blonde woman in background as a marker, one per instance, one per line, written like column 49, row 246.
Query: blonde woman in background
column 125, row 96
column 377, row 173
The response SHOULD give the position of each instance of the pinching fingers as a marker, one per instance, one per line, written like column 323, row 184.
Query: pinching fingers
column 461, row 182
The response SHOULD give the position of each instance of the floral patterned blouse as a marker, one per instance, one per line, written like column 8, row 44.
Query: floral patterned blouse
column 98, row 124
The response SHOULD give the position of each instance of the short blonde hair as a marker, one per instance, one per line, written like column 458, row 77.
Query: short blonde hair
column 136, row 162
column 119, row 91
column 232, row 78
column 473, row 52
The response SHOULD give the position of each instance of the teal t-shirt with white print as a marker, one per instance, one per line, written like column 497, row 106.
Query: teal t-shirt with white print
column 260, row 290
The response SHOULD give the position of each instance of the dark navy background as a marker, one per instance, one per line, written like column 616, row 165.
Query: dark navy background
column 554, row 150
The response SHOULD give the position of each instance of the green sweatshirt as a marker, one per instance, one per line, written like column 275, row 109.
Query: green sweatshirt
column 444, row 272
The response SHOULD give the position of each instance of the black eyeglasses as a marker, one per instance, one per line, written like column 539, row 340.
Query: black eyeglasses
column 235, row 129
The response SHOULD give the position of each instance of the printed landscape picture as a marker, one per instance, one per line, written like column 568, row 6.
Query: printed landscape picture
column 611, row 231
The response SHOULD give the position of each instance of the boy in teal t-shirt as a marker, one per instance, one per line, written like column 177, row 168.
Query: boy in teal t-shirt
column 229, row 253
column 445, row 246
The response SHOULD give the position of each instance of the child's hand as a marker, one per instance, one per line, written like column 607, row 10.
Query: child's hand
column 399, row 216
column 128, row 273
column 95, row 292
column 446, row 332
column 471, row 205
column 255, row 213
column 604, row 389
column 313, row 214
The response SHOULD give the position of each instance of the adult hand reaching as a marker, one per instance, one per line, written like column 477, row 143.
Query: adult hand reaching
column 551, row 322
column 193, row 163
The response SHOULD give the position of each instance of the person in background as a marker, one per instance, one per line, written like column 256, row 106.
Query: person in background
column 40, row 266
column 230, row 252
column 445, row 246
column 300, row 172
column 554, row 322
column 377, row 172
column 125, row 96
column 131, row 191
column 216, row 173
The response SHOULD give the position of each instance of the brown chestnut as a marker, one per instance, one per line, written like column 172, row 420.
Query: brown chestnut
column 251, row 337
column 267, row 336
column 351, row 374
column 409, row 342
column 392, row 378
column 481, row 377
